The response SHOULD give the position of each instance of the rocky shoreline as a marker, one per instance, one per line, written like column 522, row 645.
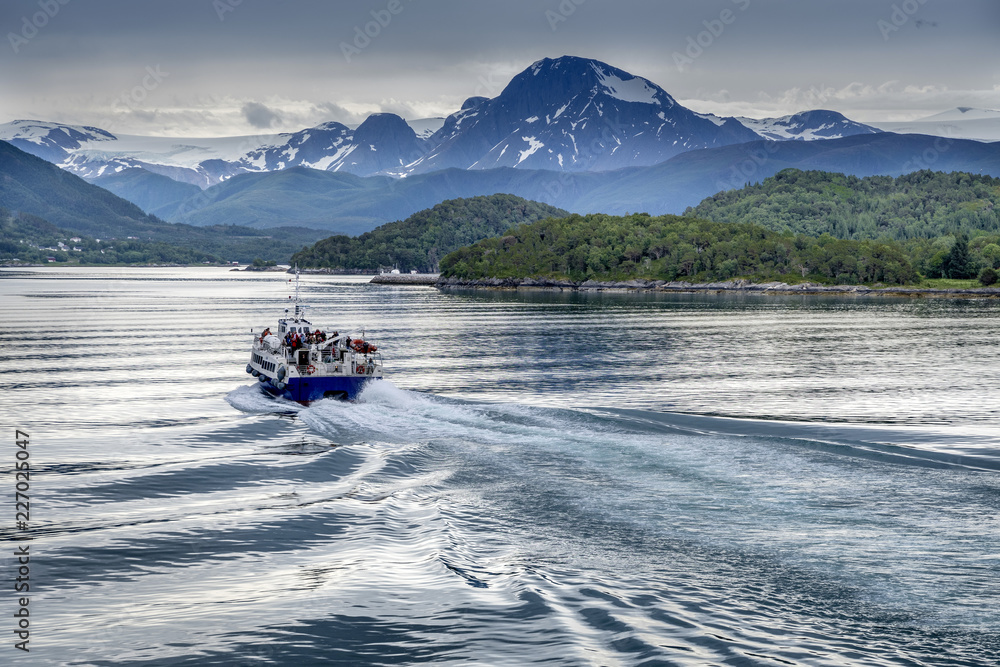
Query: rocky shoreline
column 733, row 286
column 407, row 279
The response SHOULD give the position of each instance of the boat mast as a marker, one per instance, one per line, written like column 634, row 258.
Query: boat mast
column 297, row 293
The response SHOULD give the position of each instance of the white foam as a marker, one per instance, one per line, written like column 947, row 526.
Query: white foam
column 251, row 398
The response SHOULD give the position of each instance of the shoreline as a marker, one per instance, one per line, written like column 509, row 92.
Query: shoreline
column 431, row 279
column 729, row 286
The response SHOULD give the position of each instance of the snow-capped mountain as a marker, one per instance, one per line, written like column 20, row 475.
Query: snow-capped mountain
column 382, row 142
column 957, row 123
column 315, row 147
column 574, row 114
column 807, row 126
column 51, row 141
column 564, row 114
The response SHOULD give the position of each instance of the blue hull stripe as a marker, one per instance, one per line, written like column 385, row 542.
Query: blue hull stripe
column 304, row 390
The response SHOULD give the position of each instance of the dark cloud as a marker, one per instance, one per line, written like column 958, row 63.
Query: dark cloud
column 325, row 111
column 260, row 116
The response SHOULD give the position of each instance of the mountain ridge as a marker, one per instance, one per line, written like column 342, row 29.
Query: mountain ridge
column 348, row 204
column 564, row 114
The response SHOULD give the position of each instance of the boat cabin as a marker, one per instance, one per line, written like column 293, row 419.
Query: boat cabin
column 300, row 326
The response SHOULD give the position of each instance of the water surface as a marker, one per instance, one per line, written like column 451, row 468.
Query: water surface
column 577, row 479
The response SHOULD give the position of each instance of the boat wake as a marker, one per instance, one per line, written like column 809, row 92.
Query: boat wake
column 253, row 399
column 385, row 413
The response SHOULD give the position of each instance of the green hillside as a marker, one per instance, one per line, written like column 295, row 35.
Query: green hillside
column 30, row 184
column 155, row 194
column 923, row 204
column 420, row 241
column 35, row 192
column 927, row 212
column 28, row 239
column 603, row 247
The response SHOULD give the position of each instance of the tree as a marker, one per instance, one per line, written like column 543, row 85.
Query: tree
column 991, row 253
column 958, row 264
column 988, row 276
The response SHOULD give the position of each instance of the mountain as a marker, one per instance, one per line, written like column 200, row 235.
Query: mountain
column 382, row 142
column 807, row 126
column 958, row 123
column 690, row 177
column 347, row 204
column 421, row 240
column 564, row 114
column 316, row 147
column 154, row 193
column 51, row 141
column 574, row 114
column 33, row 188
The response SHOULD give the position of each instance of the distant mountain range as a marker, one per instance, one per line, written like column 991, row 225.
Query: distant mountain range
column 44, row 201
column 957, row 123
column 382, row 143
column 570, row 132
column 347, row 204
column 563, row 114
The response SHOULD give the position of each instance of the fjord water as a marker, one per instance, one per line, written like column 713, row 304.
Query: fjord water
column 567, row 479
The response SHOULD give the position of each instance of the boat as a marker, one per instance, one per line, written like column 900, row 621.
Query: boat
column 304, row 364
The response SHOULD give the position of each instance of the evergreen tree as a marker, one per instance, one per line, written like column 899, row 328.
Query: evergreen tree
column 958, row 264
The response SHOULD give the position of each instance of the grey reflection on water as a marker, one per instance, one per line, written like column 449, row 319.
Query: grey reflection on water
column 453, row 517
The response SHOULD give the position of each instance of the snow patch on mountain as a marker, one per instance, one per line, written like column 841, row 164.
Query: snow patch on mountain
column 533, row 146
column 707, row 116
column 635, row 89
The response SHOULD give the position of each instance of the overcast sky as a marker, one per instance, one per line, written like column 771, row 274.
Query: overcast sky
column 228, row 67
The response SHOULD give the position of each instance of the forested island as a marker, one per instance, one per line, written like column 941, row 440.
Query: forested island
column 794, row 227
column 669, row 247
column 420, row 241
column 925, row 212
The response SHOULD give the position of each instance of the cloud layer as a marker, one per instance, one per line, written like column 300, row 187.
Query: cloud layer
column 238, row 67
